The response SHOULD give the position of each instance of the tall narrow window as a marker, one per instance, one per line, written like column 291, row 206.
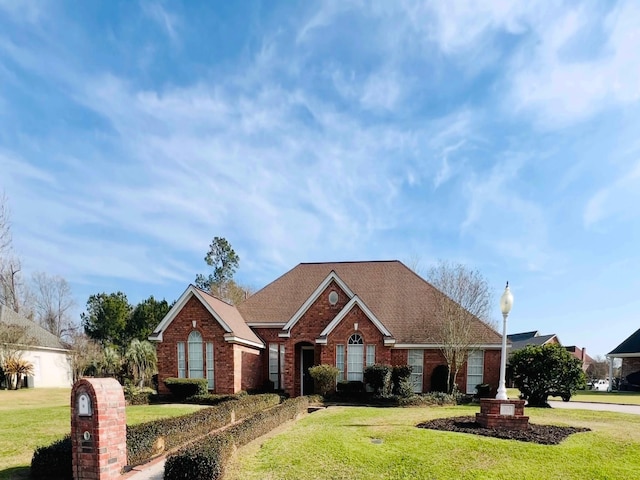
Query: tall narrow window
column 274, row 374
column 210, row 366
column 371, row 355
column 195, row 355
column 282, row 366
column 340, row 362
column 355, row 358
column 475, row 365
column 416, row 361
column 181, row 361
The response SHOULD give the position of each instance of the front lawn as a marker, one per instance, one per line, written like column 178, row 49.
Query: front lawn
column 383, row 443
column 33, row 417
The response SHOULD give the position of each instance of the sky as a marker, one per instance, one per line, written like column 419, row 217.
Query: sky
column 501, row 135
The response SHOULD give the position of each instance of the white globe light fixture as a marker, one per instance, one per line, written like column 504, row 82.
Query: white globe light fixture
column 506, row 302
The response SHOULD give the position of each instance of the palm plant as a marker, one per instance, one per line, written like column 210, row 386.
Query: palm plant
column 16, row 368
column 141, row 360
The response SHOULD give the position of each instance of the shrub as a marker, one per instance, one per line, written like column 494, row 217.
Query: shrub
column 439, row 378
column 401, row 380
column 325, row 377
column 378, row 377
column 351, row 390
column 146, row 440
column 53, row 461
column 428, row 399
column 182, row 388
column 483, row 390
column 138, row 396
column 208, row 457
column 209, row 399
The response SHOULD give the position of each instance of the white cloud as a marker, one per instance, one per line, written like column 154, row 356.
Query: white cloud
column 618, row 200
column 561, row 88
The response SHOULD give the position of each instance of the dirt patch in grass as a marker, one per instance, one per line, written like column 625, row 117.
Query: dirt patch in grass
column 542, row 434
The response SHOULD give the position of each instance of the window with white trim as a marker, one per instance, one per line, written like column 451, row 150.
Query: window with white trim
column 210, row 377
column 195, row 360
column 475, row 367
column 355, row 358
column 371, row 355
column 415, row 359
column 340, row 362
column 274, row 367
column 282, row 366
column 181, row 361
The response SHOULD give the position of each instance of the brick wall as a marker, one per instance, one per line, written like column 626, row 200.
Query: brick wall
column 248, row 367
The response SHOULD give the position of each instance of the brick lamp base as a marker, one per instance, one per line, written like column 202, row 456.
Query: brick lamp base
column 503, row 414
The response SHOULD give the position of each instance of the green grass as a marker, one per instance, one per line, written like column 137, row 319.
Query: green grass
column 623, row 398
column 33, row 417
column 336, row 443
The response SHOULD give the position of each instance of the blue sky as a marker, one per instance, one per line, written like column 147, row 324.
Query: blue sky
column 502, row 136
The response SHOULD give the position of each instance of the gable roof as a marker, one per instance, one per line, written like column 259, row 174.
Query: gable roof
column 236, row 330
column 629, row 347
column 521, row 340
column 399, row 298
column 37, row 336
column 368, row 313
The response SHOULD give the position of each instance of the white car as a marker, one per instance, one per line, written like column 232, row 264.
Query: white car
column 600, row 385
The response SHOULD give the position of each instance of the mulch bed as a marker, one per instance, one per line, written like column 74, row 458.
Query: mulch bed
column 542, row 434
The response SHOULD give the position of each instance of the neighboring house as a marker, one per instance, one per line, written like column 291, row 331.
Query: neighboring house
column 50, row 359
column 347, row 314
column 521, row 340
column 581, row 354
column 629, row 352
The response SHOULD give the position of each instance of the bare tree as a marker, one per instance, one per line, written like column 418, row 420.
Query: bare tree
column 462, row 299
column 53, row 303
column 414, row 262
column 12, row 289
column 86, row 354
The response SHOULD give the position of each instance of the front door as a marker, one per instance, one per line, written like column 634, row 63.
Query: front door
column 308, row 358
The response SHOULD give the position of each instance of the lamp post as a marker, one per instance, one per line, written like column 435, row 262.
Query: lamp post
column 506, row 302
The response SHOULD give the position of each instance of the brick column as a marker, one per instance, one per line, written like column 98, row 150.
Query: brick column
column 505, row 414
column 98, row 429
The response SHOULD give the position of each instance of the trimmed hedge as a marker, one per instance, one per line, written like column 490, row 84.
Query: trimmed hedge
column 378, row 377
column 147, row 440
column 144, row 440
column 207, row 458
column 428, row 399
column 53, row 461
column 182, row 388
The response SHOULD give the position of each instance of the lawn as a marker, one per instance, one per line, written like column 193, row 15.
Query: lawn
column 383, row 443
column 34, row 417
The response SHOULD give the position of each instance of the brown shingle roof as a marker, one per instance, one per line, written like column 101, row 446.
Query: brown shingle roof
column 230, row 315
column 398, row 297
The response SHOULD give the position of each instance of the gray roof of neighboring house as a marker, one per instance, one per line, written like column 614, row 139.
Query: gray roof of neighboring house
column 37, row 336
column 630, row 346
column 521, row 340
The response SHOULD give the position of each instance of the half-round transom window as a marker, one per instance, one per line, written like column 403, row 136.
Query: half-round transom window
column 355, row 339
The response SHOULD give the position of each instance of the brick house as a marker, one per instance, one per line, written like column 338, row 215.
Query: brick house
column 347, row 314
column 629, row 352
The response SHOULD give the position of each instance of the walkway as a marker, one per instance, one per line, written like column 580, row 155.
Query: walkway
column 602, row 407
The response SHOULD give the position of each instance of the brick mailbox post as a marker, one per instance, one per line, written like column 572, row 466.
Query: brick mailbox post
column 98, row 429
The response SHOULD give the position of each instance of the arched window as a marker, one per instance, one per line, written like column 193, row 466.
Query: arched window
column 195, row 360
column 355, row 357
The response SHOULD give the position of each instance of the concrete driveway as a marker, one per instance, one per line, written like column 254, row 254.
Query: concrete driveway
column 602, row 407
